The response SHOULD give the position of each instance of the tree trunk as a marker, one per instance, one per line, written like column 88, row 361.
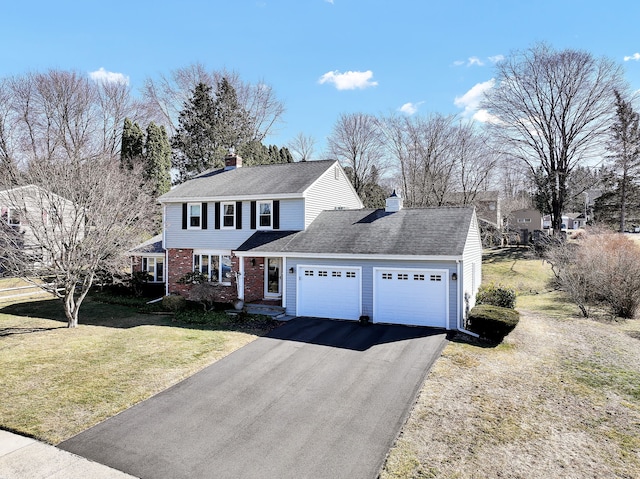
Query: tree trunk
column 70, row 309
column 623, row 202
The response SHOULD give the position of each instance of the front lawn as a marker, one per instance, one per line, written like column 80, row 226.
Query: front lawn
column 560, row 397
column 57, row 382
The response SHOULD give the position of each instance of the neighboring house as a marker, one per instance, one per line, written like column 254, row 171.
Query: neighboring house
column 487, row 205
column 527, row 222
column 297, row 233
column 29, row 211
column 570, row 221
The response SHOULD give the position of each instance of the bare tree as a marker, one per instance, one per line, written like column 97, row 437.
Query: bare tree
column 356, row 141
column 552, row 109
column 301, row 146
column 75, row 220
column 165, row 97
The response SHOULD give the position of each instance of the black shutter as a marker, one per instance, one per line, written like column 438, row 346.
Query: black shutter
column 276, row 215
column 217, row 213
column 238, row 215
column 253, row 215
column 184, row 216
column 204, row 216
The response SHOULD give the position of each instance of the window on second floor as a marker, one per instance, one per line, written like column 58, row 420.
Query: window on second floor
column 265, row 209
column 11, row 216
column 228, row 215
column 194, row 216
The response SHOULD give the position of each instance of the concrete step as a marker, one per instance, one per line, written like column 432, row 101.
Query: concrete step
column 264, row 309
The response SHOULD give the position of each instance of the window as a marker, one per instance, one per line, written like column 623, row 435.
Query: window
column 336, row 274
column 387, row 276
column 418, row 277
column 308, row 272
column 195, row 216
column 264, row 214
column 351, row 274
column 322, row 273
column 154, row 267
column 436, row 277
column 216, row 267
column 228, row 215
column 11, row 216
column 403, row 276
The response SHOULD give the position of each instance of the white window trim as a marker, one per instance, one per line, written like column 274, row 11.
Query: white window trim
column 219, row 254
column 155, row 260
column 189, row 227
column 258, row 226
column 222, row 215
column 11, row 209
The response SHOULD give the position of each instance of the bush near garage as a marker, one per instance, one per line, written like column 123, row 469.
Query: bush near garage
column 492, row 322
column 496, row 295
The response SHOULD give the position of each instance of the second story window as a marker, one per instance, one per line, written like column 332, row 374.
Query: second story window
column 195, row 216
column 228, row 215
column 11, row 216
column 264, row 214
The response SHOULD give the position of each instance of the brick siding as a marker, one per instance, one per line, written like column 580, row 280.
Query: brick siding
column 253, row 279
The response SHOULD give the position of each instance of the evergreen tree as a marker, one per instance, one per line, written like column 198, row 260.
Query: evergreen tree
column 195, row 145
column 157, row 160
column 624, row 149
column 231, row 122
column 131, row 151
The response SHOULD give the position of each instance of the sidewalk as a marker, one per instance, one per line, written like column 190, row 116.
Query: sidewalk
column 25, row 458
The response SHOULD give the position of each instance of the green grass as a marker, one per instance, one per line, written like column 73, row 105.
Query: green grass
column 57, row 381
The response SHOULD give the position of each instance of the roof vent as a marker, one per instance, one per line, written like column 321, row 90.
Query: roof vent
column 393, row 203
column 232, row 161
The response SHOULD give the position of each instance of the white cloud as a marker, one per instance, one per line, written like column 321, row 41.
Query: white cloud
column 102, row 75
column 475, row 61
column 410, row 108
column 470, row 101
column 496, row 58
column 458, row 63
column 635, row 56
column 349, row 80
column 329, row 1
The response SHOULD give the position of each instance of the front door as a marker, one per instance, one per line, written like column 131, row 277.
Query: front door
column 273, row 278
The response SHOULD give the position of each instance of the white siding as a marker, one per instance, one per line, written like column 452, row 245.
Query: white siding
column 332, row 190
column 367, row 280
column 472, row 264
column 291, row 218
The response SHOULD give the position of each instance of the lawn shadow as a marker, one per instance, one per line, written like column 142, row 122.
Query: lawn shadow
column 14, row 331
column 96, row 313
column 461, row 338
column 507, row 253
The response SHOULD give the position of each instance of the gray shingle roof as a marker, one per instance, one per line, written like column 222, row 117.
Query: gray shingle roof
column 420, row 231
column 263, row 180
column 152, row 245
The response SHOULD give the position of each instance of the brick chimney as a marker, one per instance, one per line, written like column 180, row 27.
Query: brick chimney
column 393, row 203
column 232, row 161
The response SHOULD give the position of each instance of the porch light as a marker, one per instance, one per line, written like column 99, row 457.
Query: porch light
column 253, row 261
column 454, row 276
column 291, row 270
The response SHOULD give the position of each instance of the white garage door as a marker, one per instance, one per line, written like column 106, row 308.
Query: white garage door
column 329, row 292
column 410, row 296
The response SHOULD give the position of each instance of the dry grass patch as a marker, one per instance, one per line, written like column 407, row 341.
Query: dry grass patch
column 57, row 382
column 559, row 398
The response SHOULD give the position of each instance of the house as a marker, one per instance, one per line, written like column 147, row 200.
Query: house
column 526, row 222
column 488, row 211
column 31, row 216
column 297, row 234
column 148, row 258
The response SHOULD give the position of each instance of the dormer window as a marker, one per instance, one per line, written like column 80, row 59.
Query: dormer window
column 195, row 216
column 11, row 216
column 228, row 215
column 265, row 209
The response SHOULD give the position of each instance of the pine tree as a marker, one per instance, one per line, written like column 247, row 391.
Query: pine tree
column 131, row 151
column 157, row 160
column 624, row 148
column 195, row 146
column 230, row 121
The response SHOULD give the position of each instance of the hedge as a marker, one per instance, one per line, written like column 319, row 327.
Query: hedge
column 492, row 322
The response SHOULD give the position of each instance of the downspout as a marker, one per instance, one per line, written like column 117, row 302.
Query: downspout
column 461, row 304
column 166, row 251
column 240, row 278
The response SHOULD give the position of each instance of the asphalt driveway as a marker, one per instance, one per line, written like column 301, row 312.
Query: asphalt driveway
column 314, row 399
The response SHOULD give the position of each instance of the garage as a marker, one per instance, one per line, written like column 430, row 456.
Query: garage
column 329, row 292
column 410, row 296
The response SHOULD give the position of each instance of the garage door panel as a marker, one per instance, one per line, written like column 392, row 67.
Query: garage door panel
column 414, row 297
column 329, row 292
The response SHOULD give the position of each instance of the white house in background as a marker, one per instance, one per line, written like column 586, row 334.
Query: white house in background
column 297, row 234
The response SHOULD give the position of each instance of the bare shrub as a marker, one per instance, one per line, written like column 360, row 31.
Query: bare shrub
column 599, row 268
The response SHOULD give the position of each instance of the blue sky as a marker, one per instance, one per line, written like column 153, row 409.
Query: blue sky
column 322, row 57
